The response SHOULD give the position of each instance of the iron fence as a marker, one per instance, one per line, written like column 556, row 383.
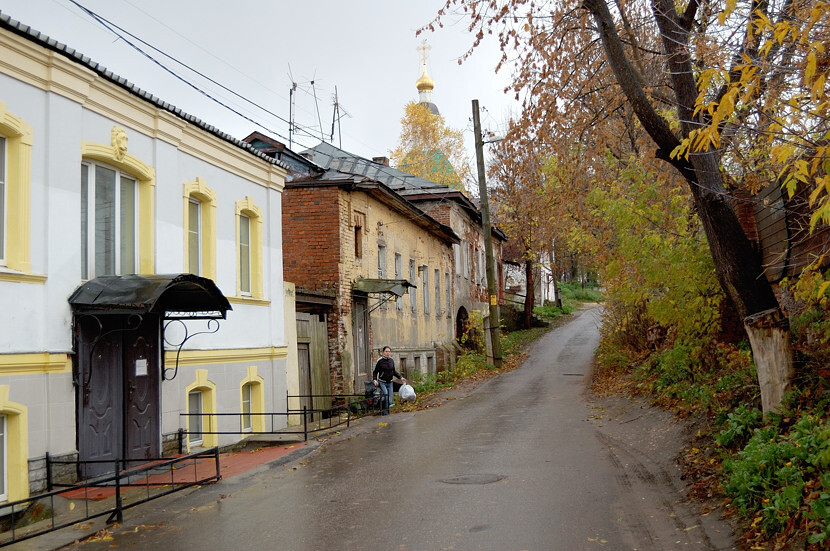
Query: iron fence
column 108, row 494
column 311, row 421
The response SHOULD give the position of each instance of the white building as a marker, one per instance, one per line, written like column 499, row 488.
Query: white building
column 100, row 181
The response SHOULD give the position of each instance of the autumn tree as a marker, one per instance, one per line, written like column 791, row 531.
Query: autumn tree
column 430, row 149
column 580, row 64
column 522, row 208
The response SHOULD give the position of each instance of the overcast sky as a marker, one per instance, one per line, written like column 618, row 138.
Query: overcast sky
column 367, row 49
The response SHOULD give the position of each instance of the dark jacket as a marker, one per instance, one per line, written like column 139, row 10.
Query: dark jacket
column 385, row 370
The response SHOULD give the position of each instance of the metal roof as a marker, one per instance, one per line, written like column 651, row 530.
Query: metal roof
column 172, row 295
column 45, row 41
column 377, row 286
column 331, row 157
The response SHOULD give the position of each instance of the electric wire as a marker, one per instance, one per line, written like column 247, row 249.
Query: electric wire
column 111, row 28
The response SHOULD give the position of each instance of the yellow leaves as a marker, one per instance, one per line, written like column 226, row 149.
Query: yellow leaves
column 728, row 9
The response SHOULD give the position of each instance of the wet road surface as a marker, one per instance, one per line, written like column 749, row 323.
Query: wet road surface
column 516, row 465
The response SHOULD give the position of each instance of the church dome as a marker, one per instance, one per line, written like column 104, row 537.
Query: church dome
column 424, row 83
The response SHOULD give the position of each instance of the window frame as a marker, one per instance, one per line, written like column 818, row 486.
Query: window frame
column 398, row 275
column 145, row 176
column 197, row 191
column 425, row 286
column 247, row 392
column 195, row 419
column 437, row 277
column 89, row 221
column 16, row 219
column 248, row 209
column 413, row 276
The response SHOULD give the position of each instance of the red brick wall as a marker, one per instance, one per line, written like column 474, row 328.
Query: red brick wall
column 311, row 237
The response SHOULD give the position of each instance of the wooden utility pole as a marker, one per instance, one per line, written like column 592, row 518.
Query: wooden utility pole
column 492, row 286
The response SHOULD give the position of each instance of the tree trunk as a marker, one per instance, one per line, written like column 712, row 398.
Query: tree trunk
column 529, row 295
column 737, row 263
column 769, row 336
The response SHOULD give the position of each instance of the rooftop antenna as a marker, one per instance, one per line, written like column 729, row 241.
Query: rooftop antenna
column 291, row 109
column 317, row 107
column 335, row 118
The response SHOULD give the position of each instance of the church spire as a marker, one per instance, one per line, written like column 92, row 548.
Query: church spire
column 425, row 84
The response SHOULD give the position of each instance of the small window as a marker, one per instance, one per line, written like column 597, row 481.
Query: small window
column 382, row 261
column 403, row 366
column 398, row 275
column 413, row 279
column 448, row 294
column 194, row 236
column 358, row 242
column 437, row 292
column 246, row 408
column 245, row 254
column 425, row 285
column 194, row 418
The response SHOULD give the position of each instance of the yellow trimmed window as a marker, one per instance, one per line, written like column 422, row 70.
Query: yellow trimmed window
column 252, row 391
column 249, row 249
column 15, row 448
column 200, row 409
column 116, row 210
column 200, row 229
column 16, row 138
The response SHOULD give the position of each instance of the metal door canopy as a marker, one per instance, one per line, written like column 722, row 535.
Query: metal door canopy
column 173, row 296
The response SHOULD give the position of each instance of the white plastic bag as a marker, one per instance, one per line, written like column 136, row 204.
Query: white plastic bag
column 406, row 392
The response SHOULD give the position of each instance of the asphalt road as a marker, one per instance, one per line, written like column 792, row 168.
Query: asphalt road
column 519, row 464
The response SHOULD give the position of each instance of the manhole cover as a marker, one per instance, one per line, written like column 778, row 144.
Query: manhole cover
column 473, row 479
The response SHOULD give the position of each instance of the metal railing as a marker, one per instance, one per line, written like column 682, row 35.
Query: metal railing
column 117, row 491
column 312, row 420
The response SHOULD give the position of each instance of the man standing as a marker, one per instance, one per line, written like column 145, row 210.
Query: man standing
column 382, row 376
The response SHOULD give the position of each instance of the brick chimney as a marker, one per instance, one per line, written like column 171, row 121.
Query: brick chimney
column 381, row 160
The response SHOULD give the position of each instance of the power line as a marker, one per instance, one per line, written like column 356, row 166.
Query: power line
column 111, row 28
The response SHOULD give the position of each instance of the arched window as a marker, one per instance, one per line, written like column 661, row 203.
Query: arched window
column 252, row 390
column 249, row 249
column 200, row 229
column 200, row 408
column 16, row 138
column 116, row 210
column 15, row 444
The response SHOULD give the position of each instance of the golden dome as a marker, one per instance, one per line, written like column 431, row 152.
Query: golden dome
column 424, row 83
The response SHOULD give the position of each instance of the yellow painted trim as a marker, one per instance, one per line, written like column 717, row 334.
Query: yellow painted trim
column 19, row 138
column 146, row 176
column 27, row 364
column 213, row 357
column 209, row 420
column 17, row 440
column 248, row 208
column 257, row 398
column 207, row 197
column 249, row 300
column 27, row 62
column 16, row 277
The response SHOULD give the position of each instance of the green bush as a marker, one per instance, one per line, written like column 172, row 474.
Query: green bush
column 739, row 425
column 768, row 476
column 573, row 292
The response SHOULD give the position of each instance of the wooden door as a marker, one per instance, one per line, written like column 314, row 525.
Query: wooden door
column 306, row 388
column 360, row 333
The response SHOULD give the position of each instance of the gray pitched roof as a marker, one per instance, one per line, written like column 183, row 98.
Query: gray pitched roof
column 331, row 157
column 45, row 41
